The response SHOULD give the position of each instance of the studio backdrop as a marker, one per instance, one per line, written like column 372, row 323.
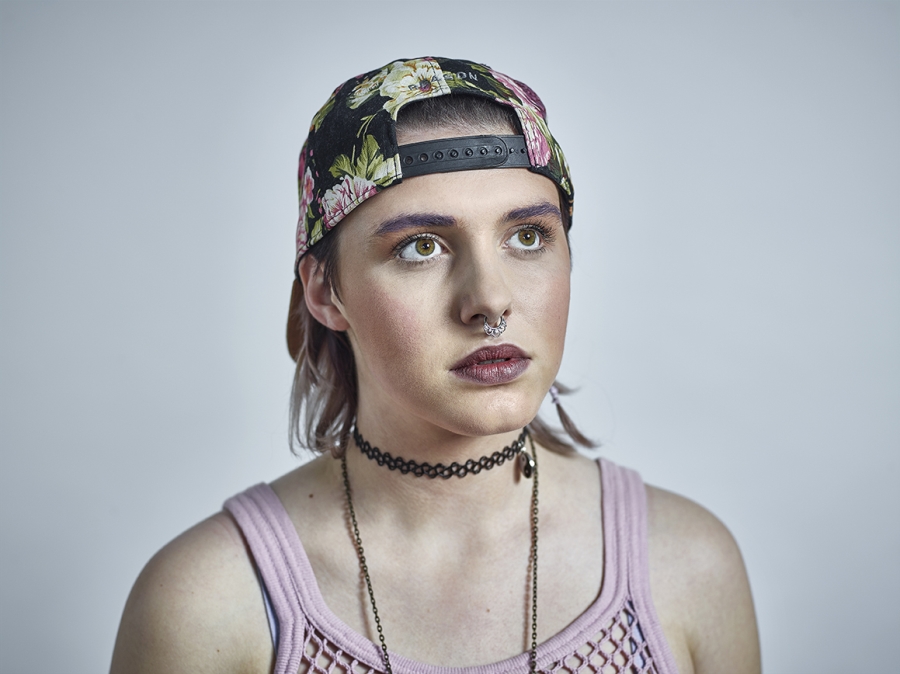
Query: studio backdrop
column 735, row 323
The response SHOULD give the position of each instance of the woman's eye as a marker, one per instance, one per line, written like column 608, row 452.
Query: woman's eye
column 526, row 239
column 423, row 248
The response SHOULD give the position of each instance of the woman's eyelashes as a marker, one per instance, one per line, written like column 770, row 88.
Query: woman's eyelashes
column 419, row 248
column 422, row 247
column 530, row 238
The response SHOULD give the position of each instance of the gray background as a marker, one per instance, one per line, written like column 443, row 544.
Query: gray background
column 736, row 318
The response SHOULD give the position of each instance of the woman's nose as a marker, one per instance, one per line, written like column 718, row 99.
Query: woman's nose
column 485, row 290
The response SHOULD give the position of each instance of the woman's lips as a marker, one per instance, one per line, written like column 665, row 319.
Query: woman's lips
column 492, row 365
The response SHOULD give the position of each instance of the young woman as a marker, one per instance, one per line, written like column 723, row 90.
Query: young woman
column 444, row 525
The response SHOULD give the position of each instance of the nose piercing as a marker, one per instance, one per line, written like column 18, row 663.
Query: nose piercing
column 494, row 330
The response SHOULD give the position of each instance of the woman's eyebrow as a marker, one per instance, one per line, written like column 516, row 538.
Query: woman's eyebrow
column 411, row 220
column 536, row 211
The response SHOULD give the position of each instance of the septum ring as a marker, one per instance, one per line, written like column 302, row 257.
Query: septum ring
column 494, row 330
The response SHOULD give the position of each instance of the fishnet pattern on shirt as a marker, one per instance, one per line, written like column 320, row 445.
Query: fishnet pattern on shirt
column 320, row 656
column 618, row 648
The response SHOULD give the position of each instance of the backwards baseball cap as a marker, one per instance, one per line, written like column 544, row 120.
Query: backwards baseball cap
column 351, row 152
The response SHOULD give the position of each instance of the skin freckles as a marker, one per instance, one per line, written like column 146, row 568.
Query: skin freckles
column 410, row 317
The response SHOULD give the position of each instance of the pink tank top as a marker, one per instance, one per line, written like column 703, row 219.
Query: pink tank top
column 618, row 634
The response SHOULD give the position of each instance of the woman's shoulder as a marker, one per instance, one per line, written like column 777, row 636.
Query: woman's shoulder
column 699, row 583
column 684, row 528
column 196, row 607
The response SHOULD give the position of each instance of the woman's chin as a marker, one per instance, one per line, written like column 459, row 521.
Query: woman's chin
column 494, row 419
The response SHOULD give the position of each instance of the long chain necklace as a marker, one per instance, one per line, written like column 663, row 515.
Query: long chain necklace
column 529, row 469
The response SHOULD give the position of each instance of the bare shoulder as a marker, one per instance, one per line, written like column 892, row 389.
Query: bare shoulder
column 700, row 587
column 196, row 607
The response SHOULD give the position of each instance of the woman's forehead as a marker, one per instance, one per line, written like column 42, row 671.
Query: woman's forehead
column 460, row 198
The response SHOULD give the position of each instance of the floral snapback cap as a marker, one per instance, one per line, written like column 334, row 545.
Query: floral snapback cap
column 351, row 152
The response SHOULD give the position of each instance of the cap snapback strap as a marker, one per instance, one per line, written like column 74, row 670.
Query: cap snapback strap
column 463, row 154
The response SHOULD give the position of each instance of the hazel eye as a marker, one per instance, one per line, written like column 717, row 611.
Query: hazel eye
column 423, row 248
column 526, row 239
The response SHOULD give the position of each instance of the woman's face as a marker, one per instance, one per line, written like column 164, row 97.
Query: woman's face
column 421, row 265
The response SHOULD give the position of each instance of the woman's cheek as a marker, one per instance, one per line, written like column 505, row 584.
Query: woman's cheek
column 548, row 297
column 393, row 329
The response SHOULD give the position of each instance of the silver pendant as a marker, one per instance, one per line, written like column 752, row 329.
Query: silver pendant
column 526, row 463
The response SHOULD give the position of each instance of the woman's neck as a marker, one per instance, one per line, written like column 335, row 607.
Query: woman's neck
column 473, row 505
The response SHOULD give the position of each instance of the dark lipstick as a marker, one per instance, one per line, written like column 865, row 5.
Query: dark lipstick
column 492, row 365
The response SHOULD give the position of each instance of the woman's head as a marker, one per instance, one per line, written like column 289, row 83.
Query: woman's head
column 352, row 150
column 395, row 298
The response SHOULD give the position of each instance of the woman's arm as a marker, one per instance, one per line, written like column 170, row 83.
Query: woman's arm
column 196, row 607
column 700, row 588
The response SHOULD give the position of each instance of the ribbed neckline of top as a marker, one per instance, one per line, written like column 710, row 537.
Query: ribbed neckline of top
column 610, row 600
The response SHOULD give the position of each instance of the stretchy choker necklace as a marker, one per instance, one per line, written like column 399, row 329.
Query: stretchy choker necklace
column 440, row 470
column 531, row 465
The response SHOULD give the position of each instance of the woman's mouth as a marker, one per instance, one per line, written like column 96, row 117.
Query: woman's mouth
column 492, row 365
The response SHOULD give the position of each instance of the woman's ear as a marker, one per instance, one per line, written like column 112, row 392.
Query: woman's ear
column 320, row 299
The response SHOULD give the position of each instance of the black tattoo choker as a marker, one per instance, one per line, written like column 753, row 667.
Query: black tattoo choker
column 454, row 469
